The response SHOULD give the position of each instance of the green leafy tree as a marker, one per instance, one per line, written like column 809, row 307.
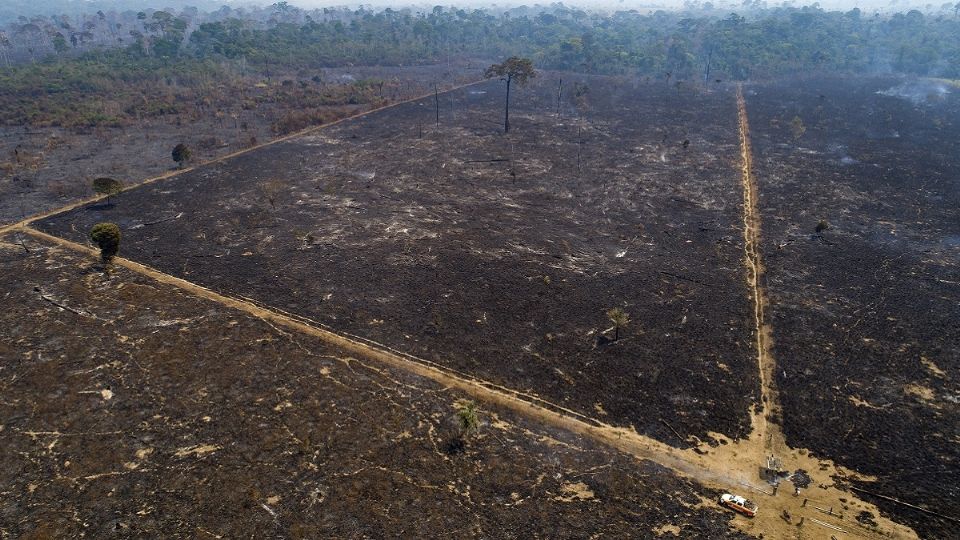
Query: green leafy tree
column 512, row 69
column 467, row 423
column 107, row 237
column 60, row 44
column 620, row 319
column 170, row 32
column 181, row 153
column 107, row 186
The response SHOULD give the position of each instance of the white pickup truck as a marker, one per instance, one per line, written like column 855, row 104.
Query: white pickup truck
column 739, row 504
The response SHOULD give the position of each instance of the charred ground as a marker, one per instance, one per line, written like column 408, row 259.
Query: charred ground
column 494, row 254
column 138, row 409
column 498, row 256
column 865, row 319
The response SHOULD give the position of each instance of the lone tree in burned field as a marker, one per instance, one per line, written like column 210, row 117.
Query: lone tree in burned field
column 181, row 153
column 620, row 319
column 271, row 191
column 107, row 237
column 468, row 422
column 107, row 186
column 822, row 226
column 467, row 415
column 797, row 128
column 580, row 92
column 513, row 68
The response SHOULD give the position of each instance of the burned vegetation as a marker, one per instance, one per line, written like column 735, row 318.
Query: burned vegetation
column 431, row 316
column 865, row 302
column 132, row 408
column 497, row 255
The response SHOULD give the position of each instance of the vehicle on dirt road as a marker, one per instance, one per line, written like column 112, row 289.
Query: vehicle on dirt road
column 739, row 504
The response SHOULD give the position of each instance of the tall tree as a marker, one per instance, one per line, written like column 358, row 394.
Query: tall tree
column 107, row 237
column 513, row 68
column 107, row 186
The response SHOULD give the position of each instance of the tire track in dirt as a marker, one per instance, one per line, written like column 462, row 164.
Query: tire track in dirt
column 307, row 131
column 769, row 400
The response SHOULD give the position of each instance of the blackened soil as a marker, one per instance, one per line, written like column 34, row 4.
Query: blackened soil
column 438, row 247
column 867, row 319
column 142, row 411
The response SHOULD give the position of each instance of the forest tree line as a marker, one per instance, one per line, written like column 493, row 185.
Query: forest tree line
column 688, row 44
column 53, row 68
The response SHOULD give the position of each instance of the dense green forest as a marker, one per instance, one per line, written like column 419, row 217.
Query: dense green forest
column 689, row 43
column 50, row 61
column 685, row 44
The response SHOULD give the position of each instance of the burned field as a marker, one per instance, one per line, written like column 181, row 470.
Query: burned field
column 495, row 255
column 43, row 167
column 866, row 314
column 132, row 408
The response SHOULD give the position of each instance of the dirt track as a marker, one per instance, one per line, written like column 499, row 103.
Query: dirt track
column 754, row 263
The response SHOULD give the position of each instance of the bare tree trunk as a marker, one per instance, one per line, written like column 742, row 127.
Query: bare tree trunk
column 706, row 71
column 579, row 146
column 436, row 99
column 23, row 214
column 559, row 96
column 506, row 116
column 22, row 244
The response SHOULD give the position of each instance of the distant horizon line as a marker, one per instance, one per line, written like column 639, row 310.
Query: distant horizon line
column 881, row 6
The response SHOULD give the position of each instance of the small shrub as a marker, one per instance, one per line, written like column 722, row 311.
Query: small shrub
column 181, row 154
column 209, row 143
column 467, row 416
column 272, row 190
column 797, row 128
column 467, row 423
column 866, row 518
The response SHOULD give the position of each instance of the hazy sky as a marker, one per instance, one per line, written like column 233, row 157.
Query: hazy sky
column 35, row 7
column 640, row 5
